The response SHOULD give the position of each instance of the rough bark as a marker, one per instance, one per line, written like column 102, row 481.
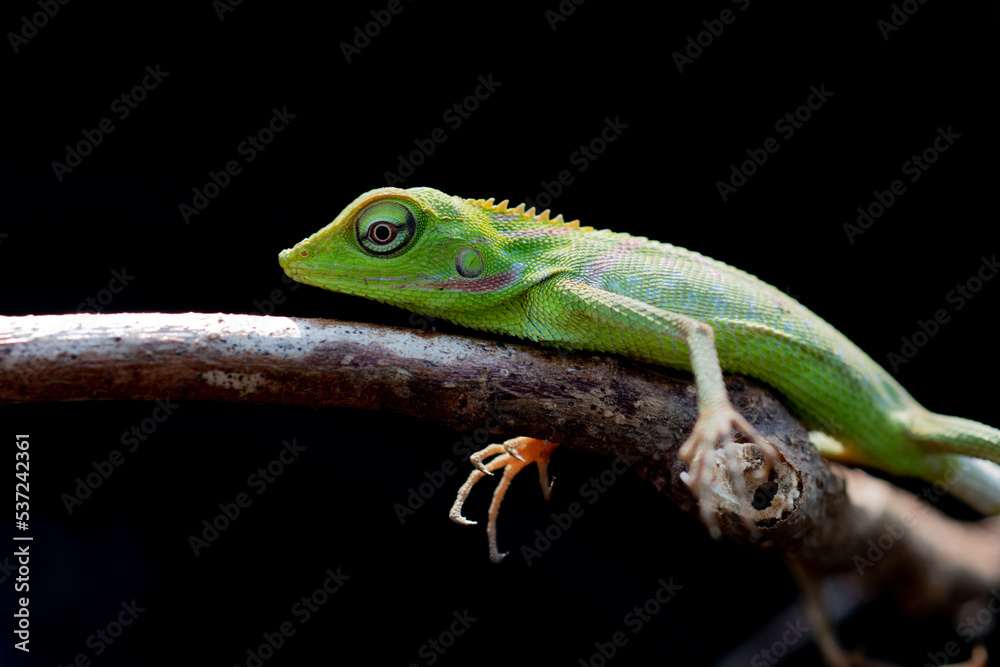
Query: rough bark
column 821, row 516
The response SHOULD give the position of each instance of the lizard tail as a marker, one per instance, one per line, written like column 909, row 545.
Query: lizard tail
column 973, row 481
column 954, row 435
column 966, row 460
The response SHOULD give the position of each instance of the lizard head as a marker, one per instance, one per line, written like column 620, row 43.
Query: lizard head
column 417, row 248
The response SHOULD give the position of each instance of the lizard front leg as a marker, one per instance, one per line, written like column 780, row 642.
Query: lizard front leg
column 717, row 419
column 598, row 319
column 512, row 456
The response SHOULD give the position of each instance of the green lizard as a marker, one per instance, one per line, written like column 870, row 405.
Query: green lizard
column 510, row 270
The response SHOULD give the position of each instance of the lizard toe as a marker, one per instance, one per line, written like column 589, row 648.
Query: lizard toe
column 711, row 448
column 512, row 456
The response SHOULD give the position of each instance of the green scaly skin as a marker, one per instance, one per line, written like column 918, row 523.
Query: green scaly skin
column 507, row 270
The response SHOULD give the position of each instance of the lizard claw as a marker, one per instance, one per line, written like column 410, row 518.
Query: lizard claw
column 514, row 455
column 511, row 448
column 490, row 450
column 703, row 456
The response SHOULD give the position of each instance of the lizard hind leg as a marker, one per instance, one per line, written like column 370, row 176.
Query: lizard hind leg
column 512, row 456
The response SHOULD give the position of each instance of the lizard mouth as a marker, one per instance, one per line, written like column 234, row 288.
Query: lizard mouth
column 325, row 278
column 300, row 271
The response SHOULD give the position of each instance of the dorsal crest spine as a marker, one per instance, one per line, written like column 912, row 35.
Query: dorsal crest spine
column 528, row 214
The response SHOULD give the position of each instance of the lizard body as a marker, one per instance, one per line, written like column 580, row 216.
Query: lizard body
column 501, row 269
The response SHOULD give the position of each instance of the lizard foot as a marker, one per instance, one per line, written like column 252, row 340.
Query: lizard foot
column 512, row 456
column 703, row 456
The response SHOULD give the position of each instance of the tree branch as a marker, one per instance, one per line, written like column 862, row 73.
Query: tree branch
column 822, row 517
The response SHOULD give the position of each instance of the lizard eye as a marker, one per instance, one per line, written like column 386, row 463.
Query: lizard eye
column 385, row 228
column 382, row 233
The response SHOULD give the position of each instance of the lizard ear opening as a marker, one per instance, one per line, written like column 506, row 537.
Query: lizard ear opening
column 385, row 228
column 469, row 263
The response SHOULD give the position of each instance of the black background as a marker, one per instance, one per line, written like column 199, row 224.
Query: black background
column 333, row 508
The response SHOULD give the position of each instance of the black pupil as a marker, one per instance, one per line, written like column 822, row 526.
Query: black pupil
column 382, row 233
